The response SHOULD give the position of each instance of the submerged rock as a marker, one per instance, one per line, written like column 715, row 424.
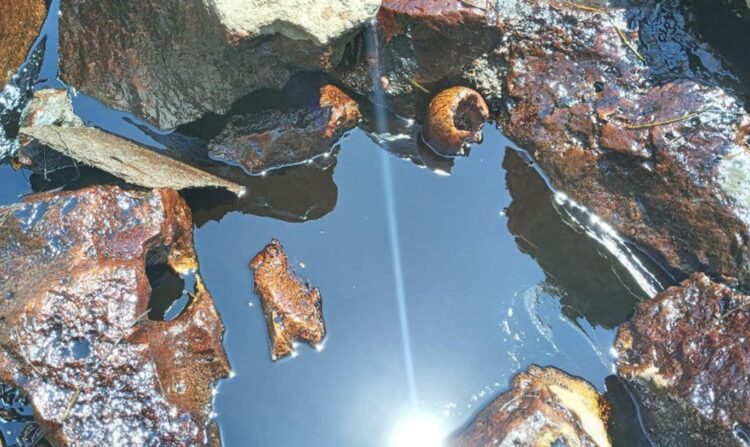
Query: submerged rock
column 20, row 21
column 687, row 356
column 170, row 62
column 268, row 139
column 74, row 333
column 455, row 118
column 292, row 309
column 545, row 407
column 122, row 158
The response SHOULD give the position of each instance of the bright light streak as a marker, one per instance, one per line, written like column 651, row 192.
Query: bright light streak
column 417, row 430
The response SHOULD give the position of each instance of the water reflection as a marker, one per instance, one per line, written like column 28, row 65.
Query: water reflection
column 589, row 281
column 479, row 309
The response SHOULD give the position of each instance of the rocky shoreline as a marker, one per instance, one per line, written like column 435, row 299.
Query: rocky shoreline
column 623, row 107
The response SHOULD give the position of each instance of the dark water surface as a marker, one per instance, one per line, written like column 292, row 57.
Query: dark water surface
column 478, row 309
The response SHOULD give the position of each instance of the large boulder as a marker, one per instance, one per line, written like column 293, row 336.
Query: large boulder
column 626, row 111
column 170, row 62
column 75, row 334
column 687, row 356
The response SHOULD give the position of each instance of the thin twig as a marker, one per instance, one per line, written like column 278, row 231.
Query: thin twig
column 661, row 123
column 418, row 85
column 471, row 5
column 622, row 35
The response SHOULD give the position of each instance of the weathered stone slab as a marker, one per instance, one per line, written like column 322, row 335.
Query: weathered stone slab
column 20, row 21
column 133, row 163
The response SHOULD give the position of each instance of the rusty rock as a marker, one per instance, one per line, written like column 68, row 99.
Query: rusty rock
column 20, row 21
column 75, row 337
column 454, row 119
column 545, row 407
column 625, row 109
column 292, row 309
column 267, row 139
column 686, row 353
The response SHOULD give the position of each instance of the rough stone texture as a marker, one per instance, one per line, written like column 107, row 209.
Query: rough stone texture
column 454, row 119
column 292, row 309
column 268, row 139
column 686, row 352
column 50, row 107
column 319, row 20
column 20, row 21
column 545, row 407
column 172, row 61
column 133, row 163
column 656, row 147
column 75, row 337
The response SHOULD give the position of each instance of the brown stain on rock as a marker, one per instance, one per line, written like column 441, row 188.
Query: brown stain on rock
column 20, row 21
column 292, row 308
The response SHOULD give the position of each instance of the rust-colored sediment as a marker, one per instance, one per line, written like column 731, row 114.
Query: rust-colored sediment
column 544, row 407
column 454, row 119
column 344, row 110
column 20, row 21
column 292, row 308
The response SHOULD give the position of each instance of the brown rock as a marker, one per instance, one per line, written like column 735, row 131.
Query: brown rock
column 454, row 119
column 292, row 309
column 687, row 355
column 20, row 21
column 545, row 407
column 75, row 336
column 272, row 138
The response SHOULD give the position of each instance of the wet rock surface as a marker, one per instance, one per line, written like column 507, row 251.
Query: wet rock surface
column 292, row 308
column 686, row 354
column 218, row 51
column 20, row 21
column 76, row 337
column 622, row 109
column 268, row 139
column 120, row 157
column 545, row 407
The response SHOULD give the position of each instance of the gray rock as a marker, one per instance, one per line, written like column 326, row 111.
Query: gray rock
column 170, row 62
column 133, row 163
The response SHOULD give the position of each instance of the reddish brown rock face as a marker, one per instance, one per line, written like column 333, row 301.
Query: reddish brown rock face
column 687, row 353
column 454, row 119
column 273, row 138
column 623, row 109
column 292, row 309
column 20, row 21
column 74, row 331
column 545, row 407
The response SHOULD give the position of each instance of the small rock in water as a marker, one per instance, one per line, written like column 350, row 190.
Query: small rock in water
column 687, row 354
column 545, row 407
column 274, row 138
column 292, row 308
column 454, row 119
